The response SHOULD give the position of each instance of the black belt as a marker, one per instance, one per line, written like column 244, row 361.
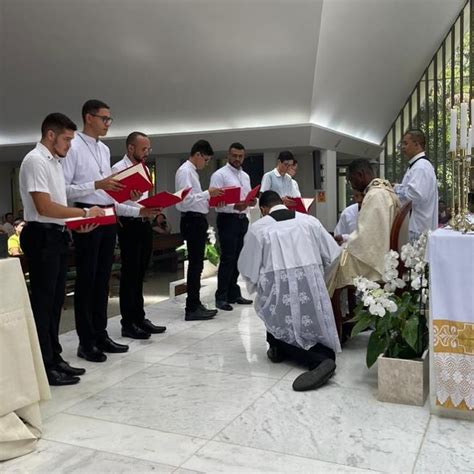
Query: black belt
column 47, row 225
column 86, row 204
column 193, row 214
column 232, row 214
column 133, row 219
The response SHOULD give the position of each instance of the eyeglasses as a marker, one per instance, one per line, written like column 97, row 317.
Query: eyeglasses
column 105, row 118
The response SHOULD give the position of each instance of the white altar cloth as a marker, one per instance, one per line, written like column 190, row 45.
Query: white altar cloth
column 451, row 260
column 23, row 381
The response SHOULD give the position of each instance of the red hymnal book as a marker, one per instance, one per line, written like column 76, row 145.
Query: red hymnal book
column 302, row 204
column 231, row 196
column 134, row 178
column 252, row 194
column 165, row 199
column 76, row 222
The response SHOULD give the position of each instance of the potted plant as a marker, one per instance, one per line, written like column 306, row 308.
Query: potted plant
column 396, row 313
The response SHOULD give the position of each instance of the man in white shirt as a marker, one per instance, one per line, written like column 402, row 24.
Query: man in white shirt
column 232, row 225
column 348, row 219
column 44, row 239
column 87, row 174
column 284, row 259
column 136, row 241
column 419, row 185
column 194, row 210
column 279, row 180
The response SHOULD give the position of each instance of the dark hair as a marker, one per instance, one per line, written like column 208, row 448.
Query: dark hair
column 17, row 222
column 286, row 156
column 237, row 146
column 269, row 199
column 92, row 106
column 8, row 214
column 360, row 165
column 57, row 122
column 203, row 147
column 295, row 161
column 133, row 136
column 417, row 136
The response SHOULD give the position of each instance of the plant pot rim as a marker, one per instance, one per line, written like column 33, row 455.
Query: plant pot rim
column 417, row 359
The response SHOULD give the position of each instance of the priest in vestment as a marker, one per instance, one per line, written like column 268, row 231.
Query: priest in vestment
column 366, row 247
column 284, row 259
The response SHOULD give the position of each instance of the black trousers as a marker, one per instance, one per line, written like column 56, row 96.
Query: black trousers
column 46, row 251
column 135, row 239
column 94, row 258
column 231, row 229
column 194, row 231
column 310, row 358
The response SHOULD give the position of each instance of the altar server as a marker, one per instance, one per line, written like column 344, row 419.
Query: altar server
column 284, row 258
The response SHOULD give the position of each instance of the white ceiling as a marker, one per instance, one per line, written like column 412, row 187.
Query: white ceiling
column 170, row 67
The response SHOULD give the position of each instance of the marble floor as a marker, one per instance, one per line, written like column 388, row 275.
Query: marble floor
column 204, row 398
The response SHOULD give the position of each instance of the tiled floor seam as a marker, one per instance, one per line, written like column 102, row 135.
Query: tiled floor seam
column 421, row 444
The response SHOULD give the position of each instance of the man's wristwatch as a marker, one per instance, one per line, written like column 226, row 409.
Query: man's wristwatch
column 86, row 212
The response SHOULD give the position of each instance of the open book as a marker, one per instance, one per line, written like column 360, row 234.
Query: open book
column 165, row 199
column 108, row 219
column 231, row 196
column 302, row 204
column 134, row 178
column 252, row 194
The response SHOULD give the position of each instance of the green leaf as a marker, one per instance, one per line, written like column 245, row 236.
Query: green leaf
column 410, row 332
column 375, row 347
column 363, row 322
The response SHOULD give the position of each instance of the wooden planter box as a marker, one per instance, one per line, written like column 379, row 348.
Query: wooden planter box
column 403, row 380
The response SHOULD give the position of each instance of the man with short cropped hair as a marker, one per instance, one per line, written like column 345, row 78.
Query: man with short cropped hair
column 232, row 225
column 136, row 241
column 44, row 239
column 194, row 210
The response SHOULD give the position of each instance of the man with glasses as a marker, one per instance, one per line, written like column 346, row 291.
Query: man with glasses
column 279, row 180
column 87, row 174
column 136, row 241
column 194, row 210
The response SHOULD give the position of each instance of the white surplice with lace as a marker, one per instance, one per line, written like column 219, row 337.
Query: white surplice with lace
column 284, row 263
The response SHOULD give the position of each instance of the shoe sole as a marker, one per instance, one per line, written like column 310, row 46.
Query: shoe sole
column 83, row 356
column 315, row 378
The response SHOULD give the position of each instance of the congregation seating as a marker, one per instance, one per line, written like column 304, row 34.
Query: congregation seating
column 165, row 252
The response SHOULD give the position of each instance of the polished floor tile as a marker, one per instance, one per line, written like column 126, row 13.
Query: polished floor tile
column 53, row 457
column 203, row 397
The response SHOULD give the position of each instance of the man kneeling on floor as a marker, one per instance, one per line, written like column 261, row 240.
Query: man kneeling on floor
column 284, row 259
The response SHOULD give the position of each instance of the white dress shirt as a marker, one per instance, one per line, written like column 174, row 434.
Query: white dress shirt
column 296, row 188
column 197, row 200
column 229, row 176
column 347, row 221
column 121, row 165
column 8, row 228
column 88, row 161
column 283, row 185
column 419, row 185
column 41, row 172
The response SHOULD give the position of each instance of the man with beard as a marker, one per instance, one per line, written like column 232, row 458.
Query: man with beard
column 232, row 225
column 364, row 253
column 44, row 239
column 136, row 240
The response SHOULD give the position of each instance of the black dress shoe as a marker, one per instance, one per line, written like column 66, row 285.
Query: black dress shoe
column 224, row 306
column 57, row 378
column 92, row 355
column 315, row 378
column 198, row 314
column 151, row 328
column 275, row 355
column 241, row 300
column 212, row 312
column 107, row 345
column 64, row 366
column 134, row 332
